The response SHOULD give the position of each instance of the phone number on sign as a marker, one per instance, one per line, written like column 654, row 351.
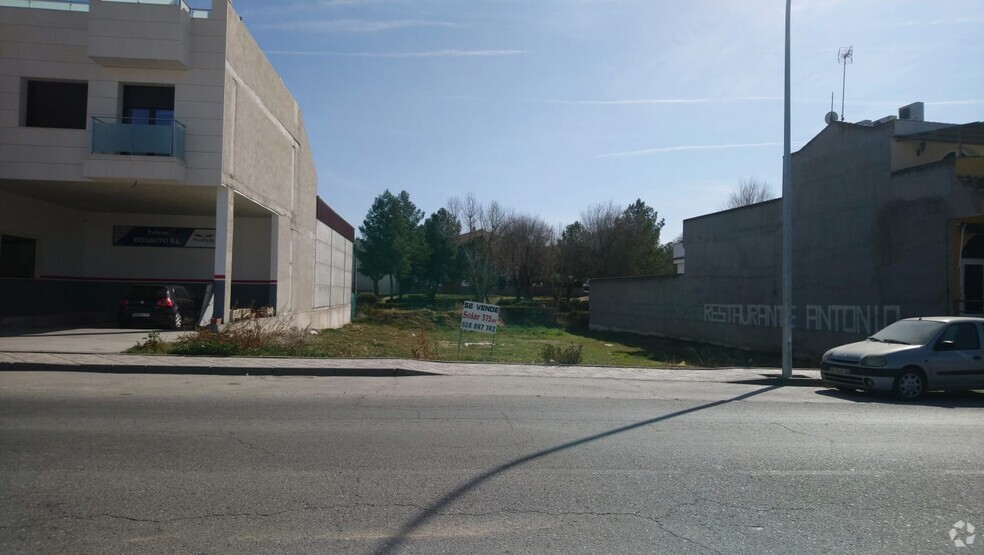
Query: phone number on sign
column 475, row 326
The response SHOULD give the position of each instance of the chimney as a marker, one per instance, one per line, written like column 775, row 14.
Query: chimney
column 912, row 112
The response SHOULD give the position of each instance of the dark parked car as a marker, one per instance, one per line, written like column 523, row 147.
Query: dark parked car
column 169, row 306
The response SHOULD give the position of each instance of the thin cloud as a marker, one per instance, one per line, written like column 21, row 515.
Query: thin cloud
column 950, row 21
column 422, row 54
column 648, row 101
column 354, row 25
column 954, row 102
column 684, row 148
column 796, row 100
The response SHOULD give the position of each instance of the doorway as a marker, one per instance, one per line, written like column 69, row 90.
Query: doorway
column 972, row 286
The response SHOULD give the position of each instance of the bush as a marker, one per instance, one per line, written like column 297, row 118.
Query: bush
column 153, row 343
column 366, row 300
column 244, row 338
column 557, row 355
column 524, row 315
column 414, row 300
column 578, row 321
column 422, row 350
column 579, row 305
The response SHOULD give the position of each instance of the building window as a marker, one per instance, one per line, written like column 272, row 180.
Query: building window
column 148, row 105
column 57, row 104
column 17, row 256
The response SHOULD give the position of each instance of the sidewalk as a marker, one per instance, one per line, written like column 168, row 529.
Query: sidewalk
column 273, row 366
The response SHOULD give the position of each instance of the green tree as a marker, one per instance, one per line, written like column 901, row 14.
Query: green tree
column 391, row 240
column 641, row 252
column 409, row 244
column 376, row 250
column 441, row 232
column 572, row 257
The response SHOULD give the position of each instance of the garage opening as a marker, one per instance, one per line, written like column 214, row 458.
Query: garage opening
column 17, row 256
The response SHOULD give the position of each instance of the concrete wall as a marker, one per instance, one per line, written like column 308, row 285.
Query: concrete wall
column 869, row 247
column 267, row 158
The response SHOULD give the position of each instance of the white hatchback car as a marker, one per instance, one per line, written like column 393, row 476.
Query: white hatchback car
column 911, row 357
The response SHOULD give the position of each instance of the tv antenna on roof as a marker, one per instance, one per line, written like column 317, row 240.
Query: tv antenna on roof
column 844, row 56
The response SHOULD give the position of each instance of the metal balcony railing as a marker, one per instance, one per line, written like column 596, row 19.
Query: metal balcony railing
column 114, row 135
column 62, row 5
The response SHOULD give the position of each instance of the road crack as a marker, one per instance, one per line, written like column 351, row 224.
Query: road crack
column 251, row 445
column 787, row 428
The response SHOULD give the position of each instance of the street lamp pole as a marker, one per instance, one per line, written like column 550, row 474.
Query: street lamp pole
column 787, row 232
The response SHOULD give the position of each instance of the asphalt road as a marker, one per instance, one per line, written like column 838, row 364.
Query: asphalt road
column 150, row 464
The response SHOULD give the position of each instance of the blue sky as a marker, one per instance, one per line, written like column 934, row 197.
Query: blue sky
column 549, row 106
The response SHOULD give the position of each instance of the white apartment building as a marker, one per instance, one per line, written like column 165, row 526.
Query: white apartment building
column 151, row 142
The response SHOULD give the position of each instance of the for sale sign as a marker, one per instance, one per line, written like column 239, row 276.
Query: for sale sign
column 479, row 317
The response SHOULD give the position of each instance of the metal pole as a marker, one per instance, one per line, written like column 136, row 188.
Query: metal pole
column 843, row 79
column 787, row 232
column 962, row 300
column 460, row 331
column 492, row 350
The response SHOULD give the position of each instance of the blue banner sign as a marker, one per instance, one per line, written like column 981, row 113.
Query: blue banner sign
column 178, row 237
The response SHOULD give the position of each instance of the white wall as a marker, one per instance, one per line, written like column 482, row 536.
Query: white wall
column 251, row 249
column 333, row 276
column 104, row 260
column 72, row 243
column 60, row 248
column 51, row 44
column 333, row 268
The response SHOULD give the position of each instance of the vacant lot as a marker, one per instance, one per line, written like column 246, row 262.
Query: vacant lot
column 413, row 332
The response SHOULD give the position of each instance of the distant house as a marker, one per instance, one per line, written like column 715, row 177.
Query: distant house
column 887, row 224
column 153, row 142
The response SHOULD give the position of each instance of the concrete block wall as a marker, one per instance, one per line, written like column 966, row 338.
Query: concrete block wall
column 869, row 247
column 333, row 267
column 266, row 157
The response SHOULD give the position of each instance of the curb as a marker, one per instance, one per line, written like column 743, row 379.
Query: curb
column 213, row 370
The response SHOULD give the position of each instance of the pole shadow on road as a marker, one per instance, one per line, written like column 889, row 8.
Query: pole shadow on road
column 429, row 512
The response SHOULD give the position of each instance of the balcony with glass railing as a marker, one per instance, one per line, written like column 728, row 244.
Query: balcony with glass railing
column 138, row 137
column 83, row 6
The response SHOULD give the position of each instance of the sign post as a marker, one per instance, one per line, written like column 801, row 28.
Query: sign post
column 480, row 317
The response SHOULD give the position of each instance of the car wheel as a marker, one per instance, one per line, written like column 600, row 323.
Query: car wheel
column 178, row 322
column 910, row 385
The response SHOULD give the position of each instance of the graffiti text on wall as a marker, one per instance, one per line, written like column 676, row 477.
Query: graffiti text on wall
column 840, row 318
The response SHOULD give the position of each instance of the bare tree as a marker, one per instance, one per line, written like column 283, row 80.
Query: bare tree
column 601, row 226
column 524, row 253
column 468, row 211
column 749, row 191
column 481, row 244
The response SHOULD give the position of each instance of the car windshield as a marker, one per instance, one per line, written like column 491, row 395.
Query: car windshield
column 912, row 332
column 146, row 293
